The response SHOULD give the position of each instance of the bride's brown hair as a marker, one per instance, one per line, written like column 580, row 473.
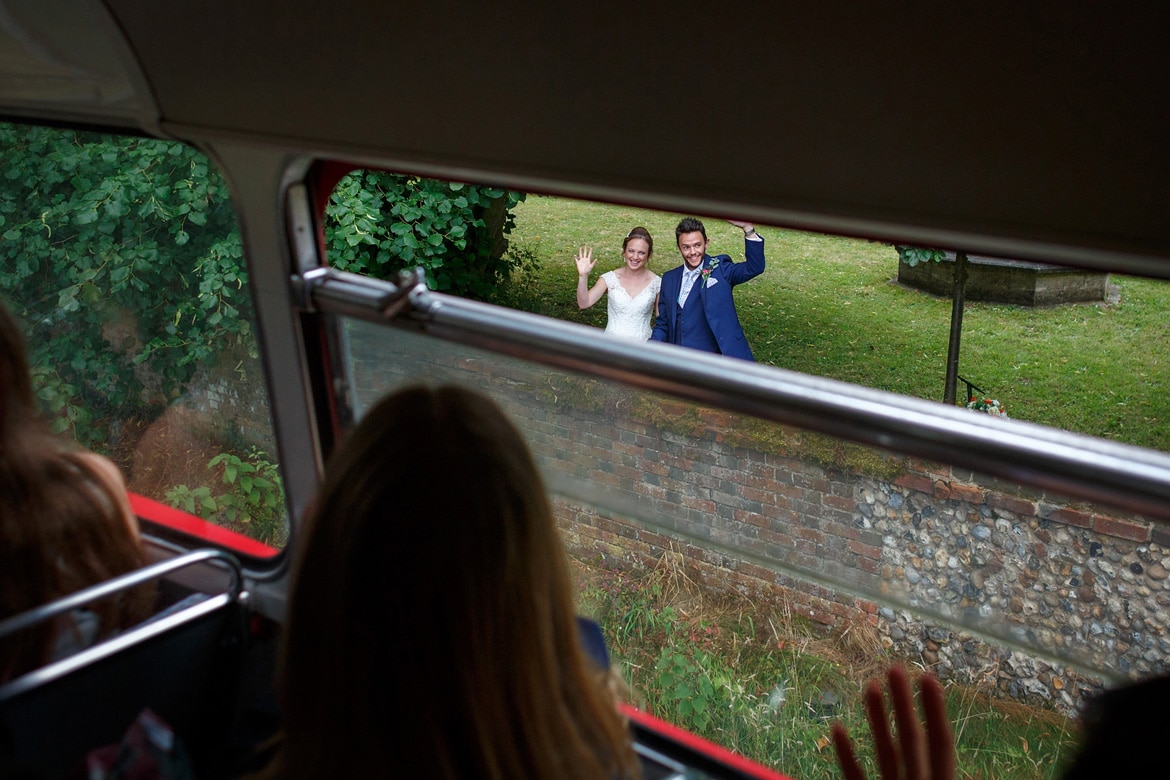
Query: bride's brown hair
column 642, row 233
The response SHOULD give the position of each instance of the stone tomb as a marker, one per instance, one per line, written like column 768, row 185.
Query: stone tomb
column 1019, row 282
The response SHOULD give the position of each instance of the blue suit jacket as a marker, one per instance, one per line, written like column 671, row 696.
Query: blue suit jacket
column 709, row 320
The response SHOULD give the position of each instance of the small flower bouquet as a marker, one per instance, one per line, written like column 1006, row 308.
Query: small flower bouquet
column 986, row 405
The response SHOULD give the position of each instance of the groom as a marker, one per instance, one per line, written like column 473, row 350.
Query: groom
column 695, row 307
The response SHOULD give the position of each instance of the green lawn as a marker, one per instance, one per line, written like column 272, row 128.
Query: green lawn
column 829, row 306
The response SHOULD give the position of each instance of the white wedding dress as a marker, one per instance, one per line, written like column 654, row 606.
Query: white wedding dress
column 629, row 318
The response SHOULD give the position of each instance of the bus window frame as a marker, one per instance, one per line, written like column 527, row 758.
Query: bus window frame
column 1131, row 478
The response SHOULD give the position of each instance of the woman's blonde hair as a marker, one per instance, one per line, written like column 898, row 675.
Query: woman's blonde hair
column 431, row 629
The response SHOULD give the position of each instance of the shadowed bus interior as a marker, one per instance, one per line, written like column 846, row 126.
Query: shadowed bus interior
column 211, row 223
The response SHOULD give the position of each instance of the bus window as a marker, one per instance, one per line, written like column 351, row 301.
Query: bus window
column 1047, row 344
column 666, row 471
column 1028, row 567
column 122, row 259
column 984, row 582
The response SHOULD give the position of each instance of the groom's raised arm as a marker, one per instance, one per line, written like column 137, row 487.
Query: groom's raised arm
column 753, row 250
column 753, row 265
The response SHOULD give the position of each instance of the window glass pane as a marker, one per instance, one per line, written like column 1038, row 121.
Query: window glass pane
column 751, row 576
column 855, row 552
column 1077, row 350
column 122, row 259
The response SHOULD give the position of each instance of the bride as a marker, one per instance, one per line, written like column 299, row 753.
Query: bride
column 633, row 289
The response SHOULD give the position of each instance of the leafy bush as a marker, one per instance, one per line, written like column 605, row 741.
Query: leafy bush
column 685, row 688
column 913, row 255
column 379, row 223
column 122, row 257
column 252, row 503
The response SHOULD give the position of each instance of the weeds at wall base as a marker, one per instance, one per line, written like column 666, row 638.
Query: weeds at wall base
column 766, row 682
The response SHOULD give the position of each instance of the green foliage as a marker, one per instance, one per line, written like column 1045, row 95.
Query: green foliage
column 122, row 257
column 379, row 223
column 252, row 502
column 757, row 681
column 522, row 288
column 686, row 687
column 59, row 400
column 913, row 255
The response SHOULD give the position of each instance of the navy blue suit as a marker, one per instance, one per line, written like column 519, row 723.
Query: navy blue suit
column 708, row 320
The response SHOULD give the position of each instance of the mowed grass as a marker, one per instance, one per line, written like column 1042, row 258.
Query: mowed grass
column 829, row 306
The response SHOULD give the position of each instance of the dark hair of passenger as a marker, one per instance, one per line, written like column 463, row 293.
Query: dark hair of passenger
column 431, row 629
column 642, row 233
column 1121, row 731
column 689, row 225
column 61, row 526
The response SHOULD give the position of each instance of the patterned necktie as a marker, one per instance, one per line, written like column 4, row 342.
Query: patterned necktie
column 689, row 277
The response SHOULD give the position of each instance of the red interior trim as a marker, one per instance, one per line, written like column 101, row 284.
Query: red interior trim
column 177, row 520
column 688, row 740
column 325, row 175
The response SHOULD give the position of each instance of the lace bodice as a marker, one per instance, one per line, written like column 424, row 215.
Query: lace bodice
column 629, row 318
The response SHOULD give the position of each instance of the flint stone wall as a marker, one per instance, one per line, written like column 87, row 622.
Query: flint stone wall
column 1067, row 577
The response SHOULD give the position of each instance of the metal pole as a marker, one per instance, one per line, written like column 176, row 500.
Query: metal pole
column 956, row 327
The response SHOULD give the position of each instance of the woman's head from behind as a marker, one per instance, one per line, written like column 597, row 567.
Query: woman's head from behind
column 433, row 599
column 17, row 403
column 64, row 524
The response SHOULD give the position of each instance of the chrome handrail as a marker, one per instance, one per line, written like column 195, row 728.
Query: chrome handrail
column 123, row 582
column 1079, row 466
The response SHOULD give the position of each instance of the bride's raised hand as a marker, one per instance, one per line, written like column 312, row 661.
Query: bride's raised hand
column 585, row 261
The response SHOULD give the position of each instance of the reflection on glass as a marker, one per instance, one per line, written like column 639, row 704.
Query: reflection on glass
column 906, row 545
column 750, row 576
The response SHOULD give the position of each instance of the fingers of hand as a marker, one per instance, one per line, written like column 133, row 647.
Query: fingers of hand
column 846, row 760
column 879, row 726
column 940, row 740
column 909, row 729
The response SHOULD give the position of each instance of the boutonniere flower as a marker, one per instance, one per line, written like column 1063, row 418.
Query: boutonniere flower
column 714, row 264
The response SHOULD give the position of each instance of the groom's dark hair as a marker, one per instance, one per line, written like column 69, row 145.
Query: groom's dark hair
column 689, row 225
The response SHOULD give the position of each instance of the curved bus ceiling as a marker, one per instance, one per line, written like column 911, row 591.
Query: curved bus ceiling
column 1021, row 132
